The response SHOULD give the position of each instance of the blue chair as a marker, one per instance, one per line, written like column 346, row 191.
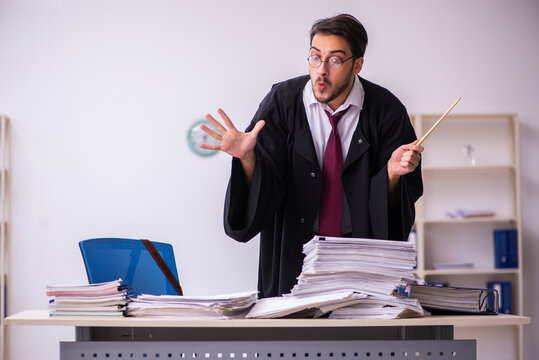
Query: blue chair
column 108, row 259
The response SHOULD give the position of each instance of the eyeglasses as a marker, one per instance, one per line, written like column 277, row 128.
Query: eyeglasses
column 334, row 62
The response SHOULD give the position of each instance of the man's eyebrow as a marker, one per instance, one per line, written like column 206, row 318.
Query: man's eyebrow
column 331, row 52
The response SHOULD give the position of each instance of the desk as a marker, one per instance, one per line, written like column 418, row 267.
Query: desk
column 151, row 338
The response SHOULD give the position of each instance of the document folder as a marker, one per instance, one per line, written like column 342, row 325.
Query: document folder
column 108, row 259
column 455, row 300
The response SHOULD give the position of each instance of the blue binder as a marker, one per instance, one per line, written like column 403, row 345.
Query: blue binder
column 504, row 295
column 512, row 252
column 501, row 249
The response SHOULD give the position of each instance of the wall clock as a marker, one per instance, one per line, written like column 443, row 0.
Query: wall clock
column 195, row 137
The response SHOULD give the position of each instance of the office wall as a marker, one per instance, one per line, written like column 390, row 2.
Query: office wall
column 101, row 94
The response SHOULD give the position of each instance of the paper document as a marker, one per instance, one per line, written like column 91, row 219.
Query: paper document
column 103, row 299
column 308, row 306
column 224, row 306
column 369, row 266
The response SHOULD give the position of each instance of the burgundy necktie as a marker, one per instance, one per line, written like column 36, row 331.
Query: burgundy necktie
column 330, row 222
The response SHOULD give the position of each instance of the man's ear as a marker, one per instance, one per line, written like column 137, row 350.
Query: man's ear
column 358, row 65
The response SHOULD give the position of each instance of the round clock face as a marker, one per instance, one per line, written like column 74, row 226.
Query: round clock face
column 196, row 136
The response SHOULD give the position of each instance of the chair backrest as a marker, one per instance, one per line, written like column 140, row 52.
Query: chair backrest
column 108, row 259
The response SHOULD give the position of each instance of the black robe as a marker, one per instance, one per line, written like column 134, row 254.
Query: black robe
column 283, row 200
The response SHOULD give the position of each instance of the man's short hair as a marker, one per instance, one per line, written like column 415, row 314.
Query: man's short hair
column 346, row 26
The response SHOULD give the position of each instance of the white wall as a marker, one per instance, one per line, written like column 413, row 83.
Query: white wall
column 101, row 94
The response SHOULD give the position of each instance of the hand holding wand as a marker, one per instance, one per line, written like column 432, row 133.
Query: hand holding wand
column 437, row 123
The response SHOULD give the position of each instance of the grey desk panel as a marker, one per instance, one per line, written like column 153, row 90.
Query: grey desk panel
column 289, row 350
column 443, row 332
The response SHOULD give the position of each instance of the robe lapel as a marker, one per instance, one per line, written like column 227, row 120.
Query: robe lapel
column 303, row 139
column 358, row 145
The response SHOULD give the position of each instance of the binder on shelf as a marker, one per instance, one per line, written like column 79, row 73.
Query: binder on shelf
column 506, row 298
column 503, row 288
column 501, row 249
column 512, row 248
column 506, row 248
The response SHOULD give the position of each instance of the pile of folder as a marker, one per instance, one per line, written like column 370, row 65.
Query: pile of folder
column 450, row 299
column 370, row 266
column 315, row 305
column 227, row 306
column 374, row 307
column 103, row 299
column 349, row 278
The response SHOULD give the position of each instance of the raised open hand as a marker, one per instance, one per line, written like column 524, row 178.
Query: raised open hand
column 233, row 142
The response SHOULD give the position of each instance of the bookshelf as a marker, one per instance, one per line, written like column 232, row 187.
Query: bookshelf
column 471, row 163
column 4, row 148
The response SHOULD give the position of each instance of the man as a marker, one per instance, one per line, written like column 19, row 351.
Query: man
column 327, row 159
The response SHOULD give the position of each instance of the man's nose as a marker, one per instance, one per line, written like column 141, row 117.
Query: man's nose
column 323, row 68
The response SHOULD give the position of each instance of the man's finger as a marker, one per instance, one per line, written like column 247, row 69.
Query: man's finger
column 258, row 126
column 412, row 146
column 226, row 119
column 210, row 147
column 216, row 123
column 212, row 133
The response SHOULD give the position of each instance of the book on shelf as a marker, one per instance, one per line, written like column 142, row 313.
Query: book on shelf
column 501, row 249
column 512, row 252
column 455, row 300
column 505, row 248
column 503, row 288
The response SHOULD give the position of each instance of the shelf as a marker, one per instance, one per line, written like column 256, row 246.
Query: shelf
column 466, row 169
column 471, row 163
column 470, row 220
column 448, row 188
column 490, row 138
column 471, row 272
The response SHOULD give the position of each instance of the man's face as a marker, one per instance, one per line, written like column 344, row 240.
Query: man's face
column 332, row 86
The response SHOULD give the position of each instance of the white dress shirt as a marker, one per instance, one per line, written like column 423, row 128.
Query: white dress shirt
column 321, row 128
column 319, row 122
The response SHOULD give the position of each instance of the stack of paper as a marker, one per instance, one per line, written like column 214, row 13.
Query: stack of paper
column 305, row 306
column 107, row 299
column 348, row 278
column 380, row 307
column 197, row 307
column 370, row 266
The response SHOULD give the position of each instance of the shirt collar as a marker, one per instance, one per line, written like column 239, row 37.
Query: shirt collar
column 355, row 97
